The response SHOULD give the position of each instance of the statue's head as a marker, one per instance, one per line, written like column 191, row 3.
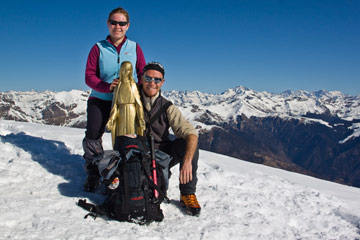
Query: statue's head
column 126, row 70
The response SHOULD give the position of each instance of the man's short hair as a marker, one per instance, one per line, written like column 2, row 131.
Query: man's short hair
column 154, row 66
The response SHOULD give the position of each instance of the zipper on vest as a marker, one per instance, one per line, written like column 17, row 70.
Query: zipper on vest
column 118, row 59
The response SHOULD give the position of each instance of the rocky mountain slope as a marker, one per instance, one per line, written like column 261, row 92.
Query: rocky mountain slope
column 316, row 133
column 53, row 108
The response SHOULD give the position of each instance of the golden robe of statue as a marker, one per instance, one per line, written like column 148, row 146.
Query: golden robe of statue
column 127, row 115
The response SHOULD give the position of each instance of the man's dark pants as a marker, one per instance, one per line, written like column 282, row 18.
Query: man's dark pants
column 176, row 149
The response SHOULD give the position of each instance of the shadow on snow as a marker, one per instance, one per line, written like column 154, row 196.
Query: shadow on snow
column 56, row 158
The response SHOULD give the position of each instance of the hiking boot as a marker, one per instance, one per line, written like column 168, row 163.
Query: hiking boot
column 91, row 183
column 93, row 177
column 191, row 204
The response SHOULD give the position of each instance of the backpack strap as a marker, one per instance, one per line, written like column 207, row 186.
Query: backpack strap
column 161, row 193
column 151, row 183
column 126, row 201
column 93, row 209
column 160, row 111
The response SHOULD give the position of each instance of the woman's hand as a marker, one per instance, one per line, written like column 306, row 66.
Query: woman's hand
column 114, row 83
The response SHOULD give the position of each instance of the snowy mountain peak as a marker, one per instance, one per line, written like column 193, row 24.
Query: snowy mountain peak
column 69, row 107
column 296, row 130
column 244, row 101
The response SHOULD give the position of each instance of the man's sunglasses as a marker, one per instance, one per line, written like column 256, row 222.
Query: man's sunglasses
column 150, row 79
column 112, row 22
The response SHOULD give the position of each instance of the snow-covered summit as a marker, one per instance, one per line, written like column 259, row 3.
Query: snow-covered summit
column 41, row 177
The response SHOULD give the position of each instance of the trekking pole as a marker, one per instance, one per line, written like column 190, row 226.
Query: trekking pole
column 156, row 193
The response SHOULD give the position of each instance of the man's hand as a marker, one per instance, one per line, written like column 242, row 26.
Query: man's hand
column 114, row 83
column 186, row 169
column 186, row 172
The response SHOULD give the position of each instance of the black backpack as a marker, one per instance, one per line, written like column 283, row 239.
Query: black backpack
column 132, row 194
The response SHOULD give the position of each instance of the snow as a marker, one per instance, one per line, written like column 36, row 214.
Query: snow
column 29, row 105
column 41, row 177
column 204, row 110
column 306, row 120
column 243, row 101
column 355, row 134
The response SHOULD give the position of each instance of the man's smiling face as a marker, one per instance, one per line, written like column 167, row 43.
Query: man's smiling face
column 151, row 88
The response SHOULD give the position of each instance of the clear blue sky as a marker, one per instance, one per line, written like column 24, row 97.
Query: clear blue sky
column 210, row 46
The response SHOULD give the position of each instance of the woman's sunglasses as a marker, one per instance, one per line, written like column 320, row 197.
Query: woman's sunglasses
column 112, row 22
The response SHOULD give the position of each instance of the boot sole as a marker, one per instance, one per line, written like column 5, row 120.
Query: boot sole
column 189, row 211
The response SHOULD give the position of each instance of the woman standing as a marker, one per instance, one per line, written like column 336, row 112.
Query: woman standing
column 101, row 75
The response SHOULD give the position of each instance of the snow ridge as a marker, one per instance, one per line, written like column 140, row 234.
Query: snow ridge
column 241, row 100
column 41, row 177
column 29, row 106
column 35, row 106
column 204, row 110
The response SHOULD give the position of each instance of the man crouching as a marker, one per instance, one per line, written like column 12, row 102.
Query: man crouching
column 160, row 114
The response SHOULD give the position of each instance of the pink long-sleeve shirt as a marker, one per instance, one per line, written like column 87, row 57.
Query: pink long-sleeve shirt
column 92, row 71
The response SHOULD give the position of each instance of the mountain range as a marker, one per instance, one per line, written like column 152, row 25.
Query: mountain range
column 314, row 133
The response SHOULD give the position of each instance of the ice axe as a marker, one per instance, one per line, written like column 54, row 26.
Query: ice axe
column 156, row 193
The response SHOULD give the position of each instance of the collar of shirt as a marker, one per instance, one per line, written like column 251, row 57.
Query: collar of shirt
column 149, row 101
column 116, row 47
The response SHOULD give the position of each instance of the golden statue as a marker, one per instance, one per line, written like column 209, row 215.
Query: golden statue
column 127, row 115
